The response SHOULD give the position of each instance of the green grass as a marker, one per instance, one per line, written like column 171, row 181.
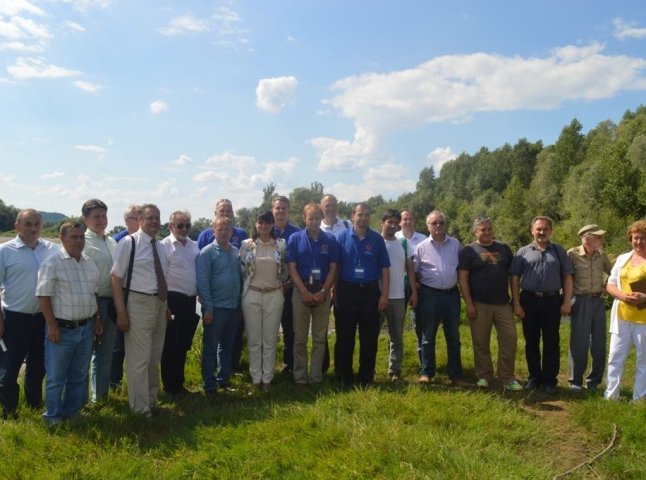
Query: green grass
column 385, row 431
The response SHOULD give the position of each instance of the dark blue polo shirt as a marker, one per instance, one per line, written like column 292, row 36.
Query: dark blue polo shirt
column 370, row 254
column 541, row 270
column 308, row 253
column 289, row 230
column 206, row 237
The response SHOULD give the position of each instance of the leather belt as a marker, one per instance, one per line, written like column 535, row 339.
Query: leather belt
column 264, row 290
column 543, row 294
column 371, row 284
column 71, row 324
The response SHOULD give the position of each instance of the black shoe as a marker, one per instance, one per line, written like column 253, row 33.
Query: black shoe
column 549, row 389
column 532, row 384
column 210, row 393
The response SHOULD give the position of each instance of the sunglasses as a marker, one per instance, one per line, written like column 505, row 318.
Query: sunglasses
column 182, row 226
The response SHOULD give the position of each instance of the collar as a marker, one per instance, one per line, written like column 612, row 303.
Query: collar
column 144, row 236
column 535, row 246
column 90, row 234
column 21, row 244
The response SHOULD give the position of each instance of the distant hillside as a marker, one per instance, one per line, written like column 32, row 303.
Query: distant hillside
column 52, row 217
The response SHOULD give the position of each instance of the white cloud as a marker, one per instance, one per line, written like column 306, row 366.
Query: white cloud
column 55, row 174
column 183, row 160
column 624, row 29
column 439, row 157
column 388, row 180
column 74, row 26
column 100, row 152
column 453, row 88
column 14, row 7
column 23, row 28
column 224, row 25
column 273, row 94
column 243, row 176
column 290, row 38
column 158, row 106
column 185, row 24
column 22, row 47
column 85, row 5
column 26, row 68
column 88, row 87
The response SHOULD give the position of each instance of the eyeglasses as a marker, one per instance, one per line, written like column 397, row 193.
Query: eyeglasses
column 182, row 226
column 438, row 223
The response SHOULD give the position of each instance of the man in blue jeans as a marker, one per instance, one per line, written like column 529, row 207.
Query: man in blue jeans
column 436, row 269
column 68, row 285
column 219, row 287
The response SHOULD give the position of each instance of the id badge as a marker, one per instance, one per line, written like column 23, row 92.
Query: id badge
column 316, row 273
column 359, row 272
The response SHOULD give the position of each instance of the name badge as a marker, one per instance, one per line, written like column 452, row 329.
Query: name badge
column 316, row 273
column 359, row 272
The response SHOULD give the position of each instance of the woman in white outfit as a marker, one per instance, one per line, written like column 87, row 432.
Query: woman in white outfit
column 264, row 270
column 627, row 284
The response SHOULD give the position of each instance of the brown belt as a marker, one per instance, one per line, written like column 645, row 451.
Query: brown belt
column 264, row 290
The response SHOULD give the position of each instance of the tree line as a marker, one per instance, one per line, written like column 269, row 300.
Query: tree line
column 598, row 177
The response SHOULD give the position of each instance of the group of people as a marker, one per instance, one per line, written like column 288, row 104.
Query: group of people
column 70, row 312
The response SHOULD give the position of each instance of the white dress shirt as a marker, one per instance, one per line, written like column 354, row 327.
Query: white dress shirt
column 181, row 276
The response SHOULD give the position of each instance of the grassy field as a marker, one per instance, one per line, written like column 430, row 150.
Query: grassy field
column 388, row 430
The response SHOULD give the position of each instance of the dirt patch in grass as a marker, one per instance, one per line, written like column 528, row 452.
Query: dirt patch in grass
column 573, row 444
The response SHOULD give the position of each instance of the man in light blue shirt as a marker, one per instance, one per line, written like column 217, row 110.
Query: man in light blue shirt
column 219, row 287
column 436, row 267
column 22, row 325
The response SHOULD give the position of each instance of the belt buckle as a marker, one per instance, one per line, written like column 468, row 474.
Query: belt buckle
column 539, row 294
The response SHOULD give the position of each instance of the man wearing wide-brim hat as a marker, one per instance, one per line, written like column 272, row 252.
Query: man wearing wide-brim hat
column 588, row 325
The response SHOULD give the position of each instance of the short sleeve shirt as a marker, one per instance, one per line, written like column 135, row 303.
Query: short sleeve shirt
column 488, row 267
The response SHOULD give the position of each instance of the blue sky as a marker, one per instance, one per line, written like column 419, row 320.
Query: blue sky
column 182, row 103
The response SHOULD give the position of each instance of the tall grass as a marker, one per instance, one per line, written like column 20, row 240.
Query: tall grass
column 389, row 430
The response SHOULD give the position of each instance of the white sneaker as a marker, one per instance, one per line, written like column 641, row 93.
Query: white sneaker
column 482, row 383
column 576, row 388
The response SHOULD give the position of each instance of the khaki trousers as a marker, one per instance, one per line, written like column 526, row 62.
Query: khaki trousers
column 320, row 318
column 144, row 342
column 502, row 318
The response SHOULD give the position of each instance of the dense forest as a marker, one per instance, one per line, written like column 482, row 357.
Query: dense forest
column 598, row 177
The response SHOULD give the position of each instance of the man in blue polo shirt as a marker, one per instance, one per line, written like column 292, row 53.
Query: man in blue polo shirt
column 223, row 207
column 364, row 260
column 313, row 256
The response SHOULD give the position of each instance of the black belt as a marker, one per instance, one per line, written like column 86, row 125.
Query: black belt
column 441, row 290
column 543, row 294
column 71, row 324
column 371, row 284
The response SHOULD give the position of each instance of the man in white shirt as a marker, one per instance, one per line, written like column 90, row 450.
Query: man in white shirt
column 407, row 231
column 143, row 318
column 413, row 239
column 401, row 268
column 68, row 283
column 182, row 253
column 331, row 222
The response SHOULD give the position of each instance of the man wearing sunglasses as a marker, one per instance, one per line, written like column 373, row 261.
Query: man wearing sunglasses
column 436, row 268
column 182, row 253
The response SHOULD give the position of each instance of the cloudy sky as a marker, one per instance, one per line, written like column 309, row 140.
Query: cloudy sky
column 181, row 103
